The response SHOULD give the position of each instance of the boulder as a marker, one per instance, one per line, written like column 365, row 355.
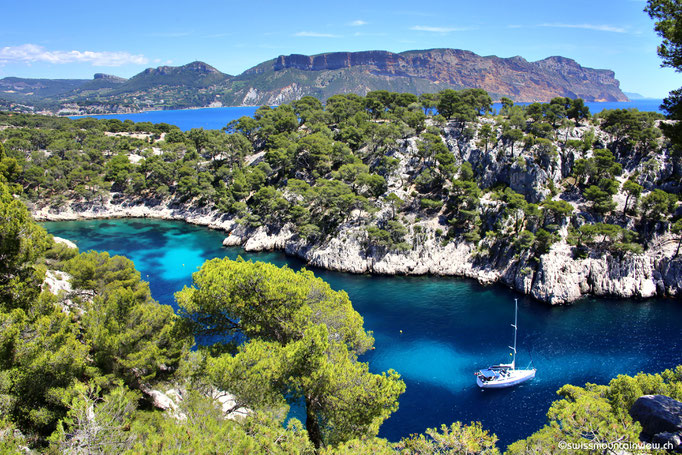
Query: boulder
column 162, row 401
column 657, row 414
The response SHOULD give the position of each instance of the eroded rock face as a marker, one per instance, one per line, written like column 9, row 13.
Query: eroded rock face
column 557, row 279
column 514, row 77
column 661, row 420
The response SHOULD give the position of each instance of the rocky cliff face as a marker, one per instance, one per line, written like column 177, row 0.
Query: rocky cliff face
column 513, row 77
column 558, row 279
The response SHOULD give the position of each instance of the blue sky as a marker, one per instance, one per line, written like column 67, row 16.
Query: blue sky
column 75, row 39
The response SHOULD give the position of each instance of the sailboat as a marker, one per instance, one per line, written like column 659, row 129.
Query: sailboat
column 505, row 374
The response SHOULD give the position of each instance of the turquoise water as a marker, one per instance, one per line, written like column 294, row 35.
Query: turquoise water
column 218, row 117
column 436, row 331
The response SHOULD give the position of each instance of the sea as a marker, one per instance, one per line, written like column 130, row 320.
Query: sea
column 218, row 117
column 435, row 331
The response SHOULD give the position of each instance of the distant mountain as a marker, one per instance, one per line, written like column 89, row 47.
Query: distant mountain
column 17, row 87
column 637, row 96
column 195, row 75
column 287, row 78
column 431, row 70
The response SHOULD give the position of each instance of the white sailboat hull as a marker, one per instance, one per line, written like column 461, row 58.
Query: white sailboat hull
column 512, row 378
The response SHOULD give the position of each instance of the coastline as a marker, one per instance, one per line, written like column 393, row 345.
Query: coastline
column 557, row 278
column 624, row 104
column 144, row 111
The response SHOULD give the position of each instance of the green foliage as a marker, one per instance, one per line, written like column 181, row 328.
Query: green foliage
column 667, row 15
column 433, row 205
column 131, row 335
column 658, row 205
column 598, row 413
column 524, row 241
column 544, row 240
column 609, row 236
column 632, row 128
column 293, row 316
column 40, row 359
column 22, row 242
column 456, row 439
column 344, row 151
column 633, row 191
column 391, row 237
column 463, row 105
column 602, row 202
column 12, row 442
column 96, row 423
column 556, row 211
column 205, row 430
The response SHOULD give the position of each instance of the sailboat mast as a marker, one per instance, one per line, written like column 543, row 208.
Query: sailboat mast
column 516, row 324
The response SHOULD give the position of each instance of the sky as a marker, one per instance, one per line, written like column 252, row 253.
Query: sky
column 75, row 39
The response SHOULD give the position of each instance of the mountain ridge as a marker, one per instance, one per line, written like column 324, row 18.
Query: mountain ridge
column 289, row 77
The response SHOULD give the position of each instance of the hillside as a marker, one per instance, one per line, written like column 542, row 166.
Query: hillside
column 544, row 198
column 288, row 78
column 431, row 70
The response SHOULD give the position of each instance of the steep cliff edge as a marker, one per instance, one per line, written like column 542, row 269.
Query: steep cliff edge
column 558, row 279
column 545, row 198
column 442, row 68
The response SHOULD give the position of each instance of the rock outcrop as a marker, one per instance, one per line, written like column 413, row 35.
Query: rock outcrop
column 514, row 77
column 558, row 279
column 661, row 420
column 66, row 242
column 171, row 400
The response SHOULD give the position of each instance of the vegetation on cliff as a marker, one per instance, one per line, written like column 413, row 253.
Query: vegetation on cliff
column 82, row 369
column 385, row 167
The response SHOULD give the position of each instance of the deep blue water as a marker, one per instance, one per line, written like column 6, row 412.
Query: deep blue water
column 218, row 117
column 435, row 331
column 213, row 118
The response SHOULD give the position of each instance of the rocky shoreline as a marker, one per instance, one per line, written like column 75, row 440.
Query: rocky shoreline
column 555, row 278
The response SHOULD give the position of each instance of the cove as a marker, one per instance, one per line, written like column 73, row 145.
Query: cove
column 435, row 331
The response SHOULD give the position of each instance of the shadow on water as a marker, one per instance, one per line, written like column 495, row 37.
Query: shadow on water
column 435, row 331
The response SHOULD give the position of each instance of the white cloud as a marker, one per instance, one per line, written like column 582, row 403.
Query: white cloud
column 357, row 23
column 31, row 53
column 597, row 27
column 317, row 35
column 425, row 28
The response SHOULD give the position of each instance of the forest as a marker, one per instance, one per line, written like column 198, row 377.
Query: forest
column 396, row 165
column 90, row 363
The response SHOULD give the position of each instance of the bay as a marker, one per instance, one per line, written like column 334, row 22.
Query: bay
column 435, row 331
column 209, row 118
column 218, row 117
